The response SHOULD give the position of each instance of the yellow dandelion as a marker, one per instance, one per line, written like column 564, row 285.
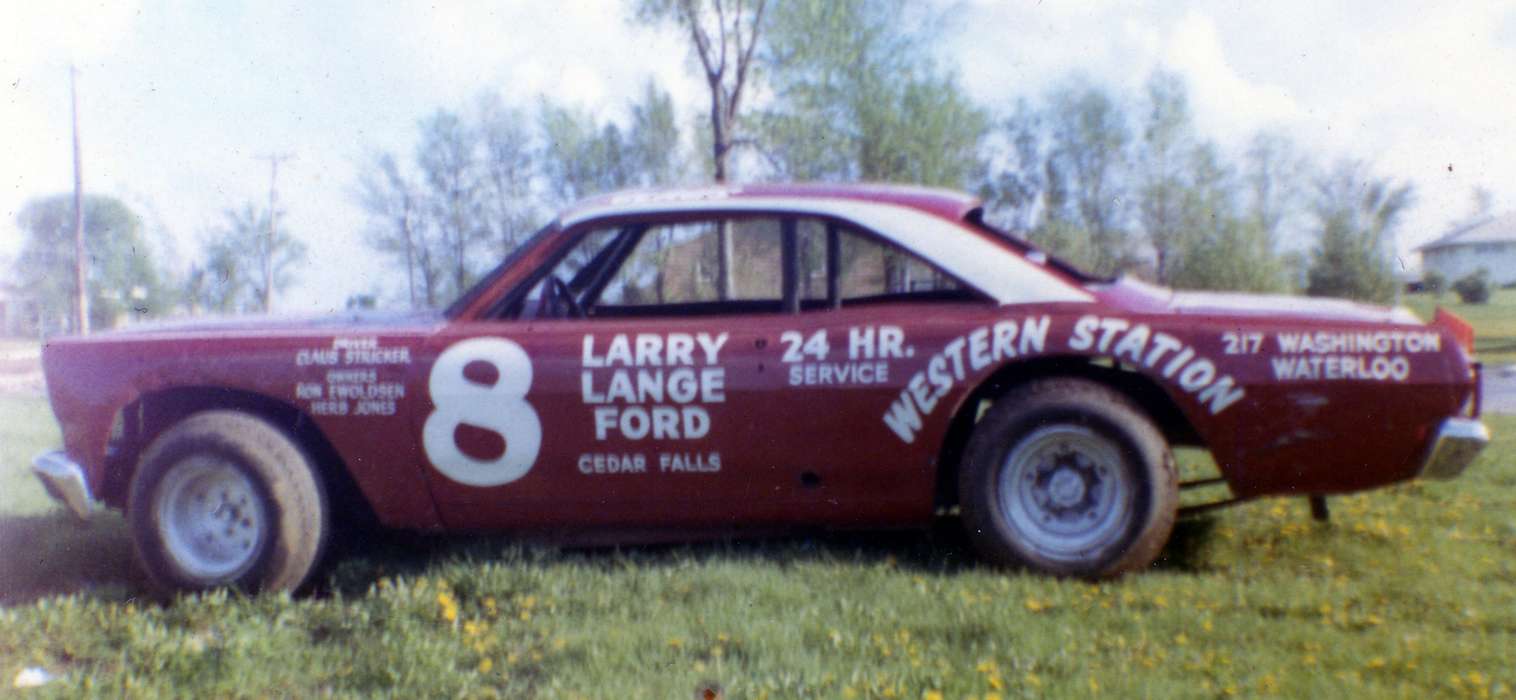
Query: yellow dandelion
column 485, row 664
column 676, row 643
column 1034, row 605
column 1181, row 639
column 931, row 695
column 985, row 666
column 1094, row 685
column 995, row 682
column 1377, row 662
column 1033, row 680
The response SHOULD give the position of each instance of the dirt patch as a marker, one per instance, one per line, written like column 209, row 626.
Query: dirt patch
column 54, row 554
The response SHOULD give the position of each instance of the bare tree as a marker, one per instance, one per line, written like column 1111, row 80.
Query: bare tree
column 448, row 158
column 394, row 203
column 506, row 164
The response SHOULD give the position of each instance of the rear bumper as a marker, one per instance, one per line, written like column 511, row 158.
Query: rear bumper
column 1457, row 443
column 65, row 481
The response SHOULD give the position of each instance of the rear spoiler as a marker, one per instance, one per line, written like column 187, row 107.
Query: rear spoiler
column 1459, row 328
column 1463, row 333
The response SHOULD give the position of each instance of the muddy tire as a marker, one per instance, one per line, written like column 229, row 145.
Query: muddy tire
column 1070, row 478
column 226, row 499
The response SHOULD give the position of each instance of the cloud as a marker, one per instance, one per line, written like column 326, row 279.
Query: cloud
column 1226, row 104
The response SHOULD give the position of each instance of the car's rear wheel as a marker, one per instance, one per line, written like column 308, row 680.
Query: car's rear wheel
column 1070, row 478
column 224, row 498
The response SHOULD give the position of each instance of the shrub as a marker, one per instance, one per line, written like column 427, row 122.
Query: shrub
column 1434, row 282
column 1475, row 288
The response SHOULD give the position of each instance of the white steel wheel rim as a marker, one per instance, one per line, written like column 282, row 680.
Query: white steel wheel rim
column 1066, row 493
column 211, row 519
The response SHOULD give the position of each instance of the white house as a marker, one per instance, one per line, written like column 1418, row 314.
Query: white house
column 1489, row 242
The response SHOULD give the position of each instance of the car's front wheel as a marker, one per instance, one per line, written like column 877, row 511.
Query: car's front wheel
column 224, row 498
column 1068, row 477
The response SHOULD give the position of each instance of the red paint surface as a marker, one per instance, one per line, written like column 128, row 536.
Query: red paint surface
column 773, row 439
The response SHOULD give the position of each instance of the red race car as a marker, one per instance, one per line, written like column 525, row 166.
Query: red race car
column 712, row 360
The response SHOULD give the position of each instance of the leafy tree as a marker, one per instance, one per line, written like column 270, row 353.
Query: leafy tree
column 1166, row 135
column 655, row 152
column 242, row 265
column 583, row 156
column 1356, row 216
column 1272, row 171
column 123, row 279
column 858, row 98
column 1215, row 247
column 1089, row 141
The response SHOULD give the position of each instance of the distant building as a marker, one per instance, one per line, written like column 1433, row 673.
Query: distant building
column 1489, row 243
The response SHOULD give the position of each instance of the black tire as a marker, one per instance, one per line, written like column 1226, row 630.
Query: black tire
column 225, row 498
column 1068, row 477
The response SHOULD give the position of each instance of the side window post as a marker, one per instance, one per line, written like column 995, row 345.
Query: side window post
column 833, row 266
column 789, row 265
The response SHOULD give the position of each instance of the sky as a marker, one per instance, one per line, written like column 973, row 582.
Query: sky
column 180, row 102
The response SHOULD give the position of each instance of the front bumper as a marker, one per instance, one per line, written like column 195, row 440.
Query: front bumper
column 1457, row 442
column 65, row 481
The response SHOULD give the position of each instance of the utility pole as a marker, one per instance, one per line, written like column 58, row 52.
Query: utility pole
column 81, row 292
column 274, row 159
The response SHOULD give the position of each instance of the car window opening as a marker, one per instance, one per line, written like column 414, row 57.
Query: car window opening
column 783, row 265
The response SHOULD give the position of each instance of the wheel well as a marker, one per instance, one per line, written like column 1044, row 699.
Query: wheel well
column 1148, row 396
column 142, row 420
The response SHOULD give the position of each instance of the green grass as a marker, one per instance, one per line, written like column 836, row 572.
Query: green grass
column 1494, row 323
column 1409, row 591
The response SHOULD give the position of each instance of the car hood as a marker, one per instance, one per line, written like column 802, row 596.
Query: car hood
column 1142, row 296
column 282, row 323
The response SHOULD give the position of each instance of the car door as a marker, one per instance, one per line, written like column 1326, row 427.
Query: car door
column 869, row 319
column 626, row 388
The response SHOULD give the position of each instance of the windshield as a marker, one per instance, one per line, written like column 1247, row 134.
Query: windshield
column 490, row 277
